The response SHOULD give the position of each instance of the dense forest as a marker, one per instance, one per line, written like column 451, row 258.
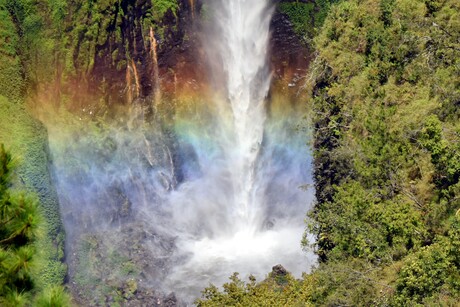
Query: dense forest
column 383, row 90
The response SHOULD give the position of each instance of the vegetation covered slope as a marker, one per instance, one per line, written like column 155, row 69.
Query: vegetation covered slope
column 306, row 16
column 385, row 88
column 78, row 53
column 27, row 139
column 386, row 95
column 21, row 226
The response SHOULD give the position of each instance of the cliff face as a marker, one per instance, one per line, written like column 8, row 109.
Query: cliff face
column 92, row 58
column 289, row 55
column 140, row 47
column 125, row 51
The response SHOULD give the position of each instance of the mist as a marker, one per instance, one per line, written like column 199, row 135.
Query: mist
column 204, row 196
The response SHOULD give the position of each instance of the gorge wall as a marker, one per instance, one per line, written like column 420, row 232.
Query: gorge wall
column 113, row 82
column 112, row 52
column 129, row 124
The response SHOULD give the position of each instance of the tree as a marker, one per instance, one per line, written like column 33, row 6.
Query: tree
column 20, row 226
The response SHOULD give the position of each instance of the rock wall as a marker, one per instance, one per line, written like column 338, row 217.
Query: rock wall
column 290, row 56
column 124, row 51
column 119, row 66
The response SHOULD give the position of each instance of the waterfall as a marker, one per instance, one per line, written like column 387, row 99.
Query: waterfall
column 244, row 32
column 156, row 76
column 244, row 212
column 214, row 192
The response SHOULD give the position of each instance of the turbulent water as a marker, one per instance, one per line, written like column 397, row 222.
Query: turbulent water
column 249, row 197
column 244, row 34
column 221, row 189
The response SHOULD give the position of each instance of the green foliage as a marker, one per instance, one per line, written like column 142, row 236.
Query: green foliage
column 382, row 230
column 161, row 7
column 270, row 292
column 306, row 17
column 354, row 283
column 386, row 144
column 53, row 297
column 301, row 16
column 11, row 82
column 28, row 139
column 423, row 274
column 20, row 227
column 445, row 155
column 432, row 274
column 19, row 221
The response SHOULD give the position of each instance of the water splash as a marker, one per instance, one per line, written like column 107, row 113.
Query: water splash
column 245, row 212
column 113, row 176
column 221, row 186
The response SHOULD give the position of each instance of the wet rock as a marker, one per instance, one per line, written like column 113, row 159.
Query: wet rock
column 170, row 301
column 290, row 55
column 114, row 266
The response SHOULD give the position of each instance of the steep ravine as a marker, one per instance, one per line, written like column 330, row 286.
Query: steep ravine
column 116, row 251
column 124, row 91
column 96, row 91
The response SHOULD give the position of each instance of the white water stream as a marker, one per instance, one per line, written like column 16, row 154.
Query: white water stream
column 238, row 206
column 249, row 227
column 244, row 32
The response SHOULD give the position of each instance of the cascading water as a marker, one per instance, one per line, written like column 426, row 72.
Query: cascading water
column 240, row 42
column 156, row 76
column 244, row 27
column 216, row 193
column 244, row 225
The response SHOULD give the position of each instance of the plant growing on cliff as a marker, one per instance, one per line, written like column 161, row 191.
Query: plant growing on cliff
column 161, row 7
column 301, row 15
column 387, row 168
column 306, row 17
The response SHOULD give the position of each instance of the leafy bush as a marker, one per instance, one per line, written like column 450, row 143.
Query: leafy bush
column 278, row 289
column 53, row 297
